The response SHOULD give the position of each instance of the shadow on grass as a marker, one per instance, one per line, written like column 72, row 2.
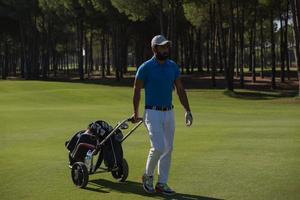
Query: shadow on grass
column 260, row 95
column 105, row 186
column 107, row 81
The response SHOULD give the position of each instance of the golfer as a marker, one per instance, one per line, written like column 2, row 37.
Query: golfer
column 158, row 76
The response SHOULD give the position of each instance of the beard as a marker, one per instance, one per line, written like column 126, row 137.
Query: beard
column 162, row 56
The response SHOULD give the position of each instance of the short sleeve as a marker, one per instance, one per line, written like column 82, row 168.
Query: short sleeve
column 141, row 73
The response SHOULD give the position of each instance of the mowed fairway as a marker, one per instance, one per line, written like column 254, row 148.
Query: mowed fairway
column 242, row 147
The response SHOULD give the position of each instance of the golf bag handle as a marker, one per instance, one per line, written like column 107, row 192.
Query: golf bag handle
column 118, row 126
column 131, row 119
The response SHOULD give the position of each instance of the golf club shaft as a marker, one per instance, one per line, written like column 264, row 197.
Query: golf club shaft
column 132, row 130
column 113, row 131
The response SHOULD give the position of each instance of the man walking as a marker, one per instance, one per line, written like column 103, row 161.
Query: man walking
column 158, row 76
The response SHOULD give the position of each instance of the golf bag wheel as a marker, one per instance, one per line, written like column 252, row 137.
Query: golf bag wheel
column 122, row 173
column 80, row 174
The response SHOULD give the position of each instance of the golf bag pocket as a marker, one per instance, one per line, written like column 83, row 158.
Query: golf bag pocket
column 79, row 144
column 80, row 151
column 112, row 154
column 71, row 144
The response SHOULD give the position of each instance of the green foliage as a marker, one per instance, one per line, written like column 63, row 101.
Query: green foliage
column 19, row 8
column 136, row 10
column 272, row 5
column 50, row 5
column 140, row 10
column 196, row 12
column 110, row 14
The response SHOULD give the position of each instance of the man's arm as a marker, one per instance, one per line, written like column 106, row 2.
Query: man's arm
column 182, row 95
column 184, row 101
column 138, row 85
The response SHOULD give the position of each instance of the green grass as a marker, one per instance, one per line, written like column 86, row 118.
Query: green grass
column 239, row 147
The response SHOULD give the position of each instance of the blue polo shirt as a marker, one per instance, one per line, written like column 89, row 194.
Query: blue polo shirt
column 158, row 81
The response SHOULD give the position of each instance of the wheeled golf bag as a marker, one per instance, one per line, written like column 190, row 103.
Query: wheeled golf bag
column 104, row 142
column 83, row 141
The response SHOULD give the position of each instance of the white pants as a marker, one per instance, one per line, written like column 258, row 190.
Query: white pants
column 161, row 127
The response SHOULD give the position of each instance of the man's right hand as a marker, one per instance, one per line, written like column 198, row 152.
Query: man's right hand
column 135, row 118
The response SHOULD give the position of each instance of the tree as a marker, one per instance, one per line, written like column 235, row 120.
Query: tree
column 229, row 57
column 25, row 13
column 295, row 5
column 6, row 37
column 253, row 43
column 57, row 33
column 118, row 31
column 78, row 12
column 45, row 38
column 199, row 14
column 272, row 8
column 241, row 29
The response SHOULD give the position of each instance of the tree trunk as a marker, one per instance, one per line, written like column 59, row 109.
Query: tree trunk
column 125, row 54
column 186, row 51
column 273, row 86
column 1, row 57
column 262, row 47
column 296, row 20
column 44, row 48
column 123, row 50
column 230, row 68
column 103, row 55
column 238, row 24
column 161, row 17
column 43, row 58
column 80, row 46
column 199, row 50
column 12, row 63
column 139, row 48
column 86, row 54
column 191, row 49
column 250, row 60
column 286, row 49
column 5, row 66
column 114, row 51
column 34, row 50
column 208, row 51
column 22, row 50
column 174, row 39
column 91, row 60
column 282, row 53
column 221, row 62
column 237, row 49
column 48, row 48
column 24, row 62
column 54, row 59
column 223, row 40
column 107, row 56
column 253, row 56
column 117, row 48
column 172, row 27
column 212, row 13
column 22, row 59
column 182, row 59
column 67, row 56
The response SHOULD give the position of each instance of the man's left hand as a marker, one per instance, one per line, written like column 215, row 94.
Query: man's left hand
column 188, row 118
